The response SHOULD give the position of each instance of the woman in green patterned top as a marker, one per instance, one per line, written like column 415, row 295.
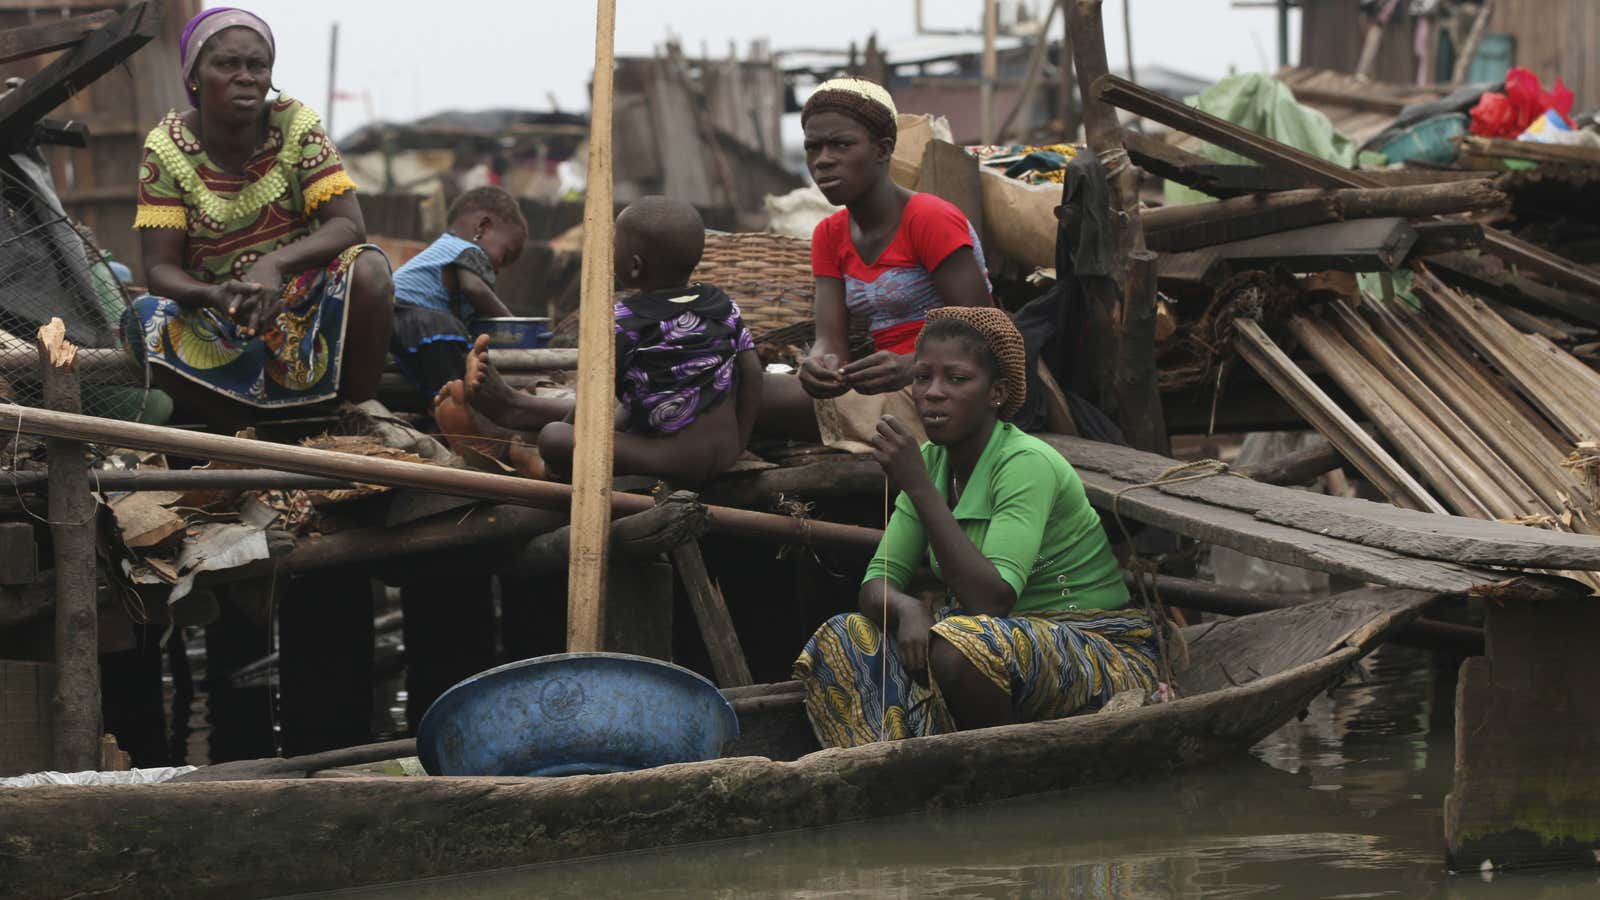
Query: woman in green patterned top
column 265, row 293
column 1035, row 621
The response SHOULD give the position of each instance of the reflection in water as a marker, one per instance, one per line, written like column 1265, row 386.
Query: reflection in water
column 1344, row 804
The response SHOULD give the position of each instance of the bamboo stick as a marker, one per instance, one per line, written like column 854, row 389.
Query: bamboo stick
column 591, row 471
column 1352, row 441
column 1399, row 420
column 399, row 473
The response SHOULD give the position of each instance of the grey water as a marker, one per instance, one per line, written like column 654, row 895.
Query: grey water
column 1346, row 803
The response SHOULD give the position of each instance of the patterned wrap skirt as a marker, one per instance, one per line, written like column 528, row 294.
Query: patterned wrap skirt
column 293, row 364
column 1052, row 665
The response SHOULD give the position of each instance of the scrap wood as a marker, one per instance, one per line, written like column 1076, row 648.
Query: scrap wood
column 1503, row 148
column 1375, row 526
column 1193, row 171
column 1358, row 245
column 94, row 56
column 144, row 518
column 1317, row 172
column 48, row 37
column 1187, row 226
column 1490, row 277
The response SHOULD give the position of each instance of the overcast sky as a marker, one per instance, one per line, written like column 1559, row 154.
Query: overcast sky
column 417, row 59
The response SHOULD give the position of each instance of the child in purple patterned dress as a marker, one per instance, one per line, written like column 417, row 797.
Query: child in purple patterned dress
column 682, row 350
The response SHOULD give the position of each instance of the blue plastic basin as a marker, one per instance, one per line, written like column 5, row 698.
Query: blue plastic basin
column 574, row 714
column 514, row 333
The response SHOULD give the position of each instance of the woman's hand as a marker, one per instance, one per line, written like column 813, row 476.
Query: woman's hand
column 897, row 451
column 880, row 373
column 912, row 636
column 259, row 314
column 822, row 377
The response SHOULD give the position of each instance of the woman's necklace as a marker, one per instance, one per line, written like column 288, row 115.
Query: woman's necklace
column 955, row 489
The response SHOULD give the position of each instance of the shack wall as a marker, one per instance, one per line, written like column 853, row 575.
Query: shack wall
column 1555, row 37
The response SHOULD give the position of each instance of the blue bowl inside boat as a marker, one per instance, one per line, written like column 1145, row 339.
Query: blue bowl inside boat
column 514, row 332
column 575, row 714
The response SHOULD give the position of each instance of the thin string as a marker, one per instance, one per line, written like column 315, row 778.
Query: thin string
column 12, row 471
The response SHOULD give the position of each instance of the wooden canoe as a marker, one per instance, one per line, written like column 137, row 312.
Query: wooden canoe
column 1246, row 677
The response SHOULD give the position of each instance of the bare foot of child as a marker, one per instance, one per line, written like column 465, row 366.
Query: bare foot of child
column 460, row 428
column 526, row 460
column 486, row 390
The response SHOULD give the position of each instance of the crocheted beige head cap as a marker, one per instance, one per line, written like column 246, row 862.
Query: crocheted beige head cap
column 862, row 100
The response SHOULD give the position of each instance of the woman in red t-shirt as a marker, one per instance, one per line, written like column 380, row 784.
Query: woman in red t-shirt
column 890, row 255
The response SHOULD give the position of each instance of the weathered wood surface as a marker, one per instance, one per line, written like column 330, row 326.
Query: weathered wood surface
column 643, row 535
column 1320, row 173
column 1314, row 405
column 1527, row 790
column 1193, row 171
column 47, row 37
column 1359, row 245
column 1490, row 277
column 594, row 428
column 1237, row 651
column 840, row 476
column 73, row 511
column 399, row 473
column 1187, row 226
column 348, row 831
column 1377, row 527
column 1504, row 148
column 98, row 53
column 711, row 615
column 1446, row 236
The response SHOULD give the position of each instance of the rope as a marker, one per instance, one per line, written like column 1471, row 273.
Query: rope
column 1148, row 593
column 883, row 639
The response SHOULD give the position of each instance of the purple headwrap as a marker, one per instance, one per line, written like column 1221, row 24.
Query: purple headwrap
column 205, row 26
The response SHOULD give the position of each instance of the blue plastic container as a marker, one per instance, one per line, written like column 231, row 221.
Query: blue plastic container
column 575, row 714
column 514, row 333
column 1430, row 141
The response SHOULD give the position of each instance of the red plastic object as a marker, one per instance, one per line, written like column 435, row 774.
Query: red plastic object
column 1507, row 115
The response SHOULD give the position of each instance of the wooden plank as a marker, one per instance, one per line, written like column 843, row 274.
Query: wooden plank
column 1297, row 468
column 594, row 431
column 96, row 55
column 1352, row 441
column 1489, row 277
column 1397, row 419
column 1378, row 527
column 1193, row 171
column 711, row 614
column 1446, row 236
column 48, row 37
column 72, row 512
column 1503, row 148
column 1526, row 791
column 1359, row 245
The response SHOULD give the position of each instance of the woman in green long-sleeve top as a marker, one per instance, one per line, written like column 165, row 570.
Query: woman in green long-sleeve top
column 1035, row 623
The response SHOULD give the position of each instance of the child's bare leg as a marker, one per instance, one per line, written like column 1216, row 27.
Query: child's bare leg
column 692, row 456
column 502, row 404
column 787, row 411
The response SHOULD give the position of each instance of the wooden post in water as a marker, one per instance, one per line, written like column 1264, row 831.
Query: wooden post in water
column 591, row 467
column 71, row 508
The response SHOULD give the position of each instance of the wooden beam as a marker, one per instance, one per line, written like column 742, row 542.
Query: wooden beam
column 591, row 471
column 398, row 473
column 73, row 513
column 48, row 37
column 1359, row 245
column 1184, row 227
column 96, row 55
column 1297, row 468
column 1481, row 275
column 711, row 614
column 1030, row 82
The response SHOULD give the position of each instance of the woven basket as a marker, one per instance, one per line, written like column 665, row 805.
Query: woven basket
column 769, row 276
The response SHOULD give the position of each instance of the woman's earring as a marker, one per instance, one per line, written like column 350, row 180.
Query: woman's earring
column 477, row 237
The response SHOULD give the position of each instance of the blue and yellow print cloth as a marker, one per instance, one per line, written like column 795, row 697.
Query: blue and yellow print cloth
column 1052, row 665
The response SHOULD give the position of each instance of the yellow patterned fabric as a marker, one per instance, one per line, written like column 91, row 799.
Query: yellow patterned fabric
column 1051, row 665
column 232, row 220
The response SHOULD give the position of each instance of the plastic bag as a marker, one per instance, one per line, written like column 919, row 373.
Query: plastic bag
column 131, row 776
column 1525, row 99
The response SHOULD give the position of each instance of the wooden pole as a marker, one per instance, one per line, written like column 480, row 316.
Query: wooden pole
column 333, row 78
column 1127, row 36
column 1138, row 398
column 1035, row 68
column 1069, row 119
column 1469, row 48
column 72, row 509
column 991, row 24
column 399, row 473
column 591, row 470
